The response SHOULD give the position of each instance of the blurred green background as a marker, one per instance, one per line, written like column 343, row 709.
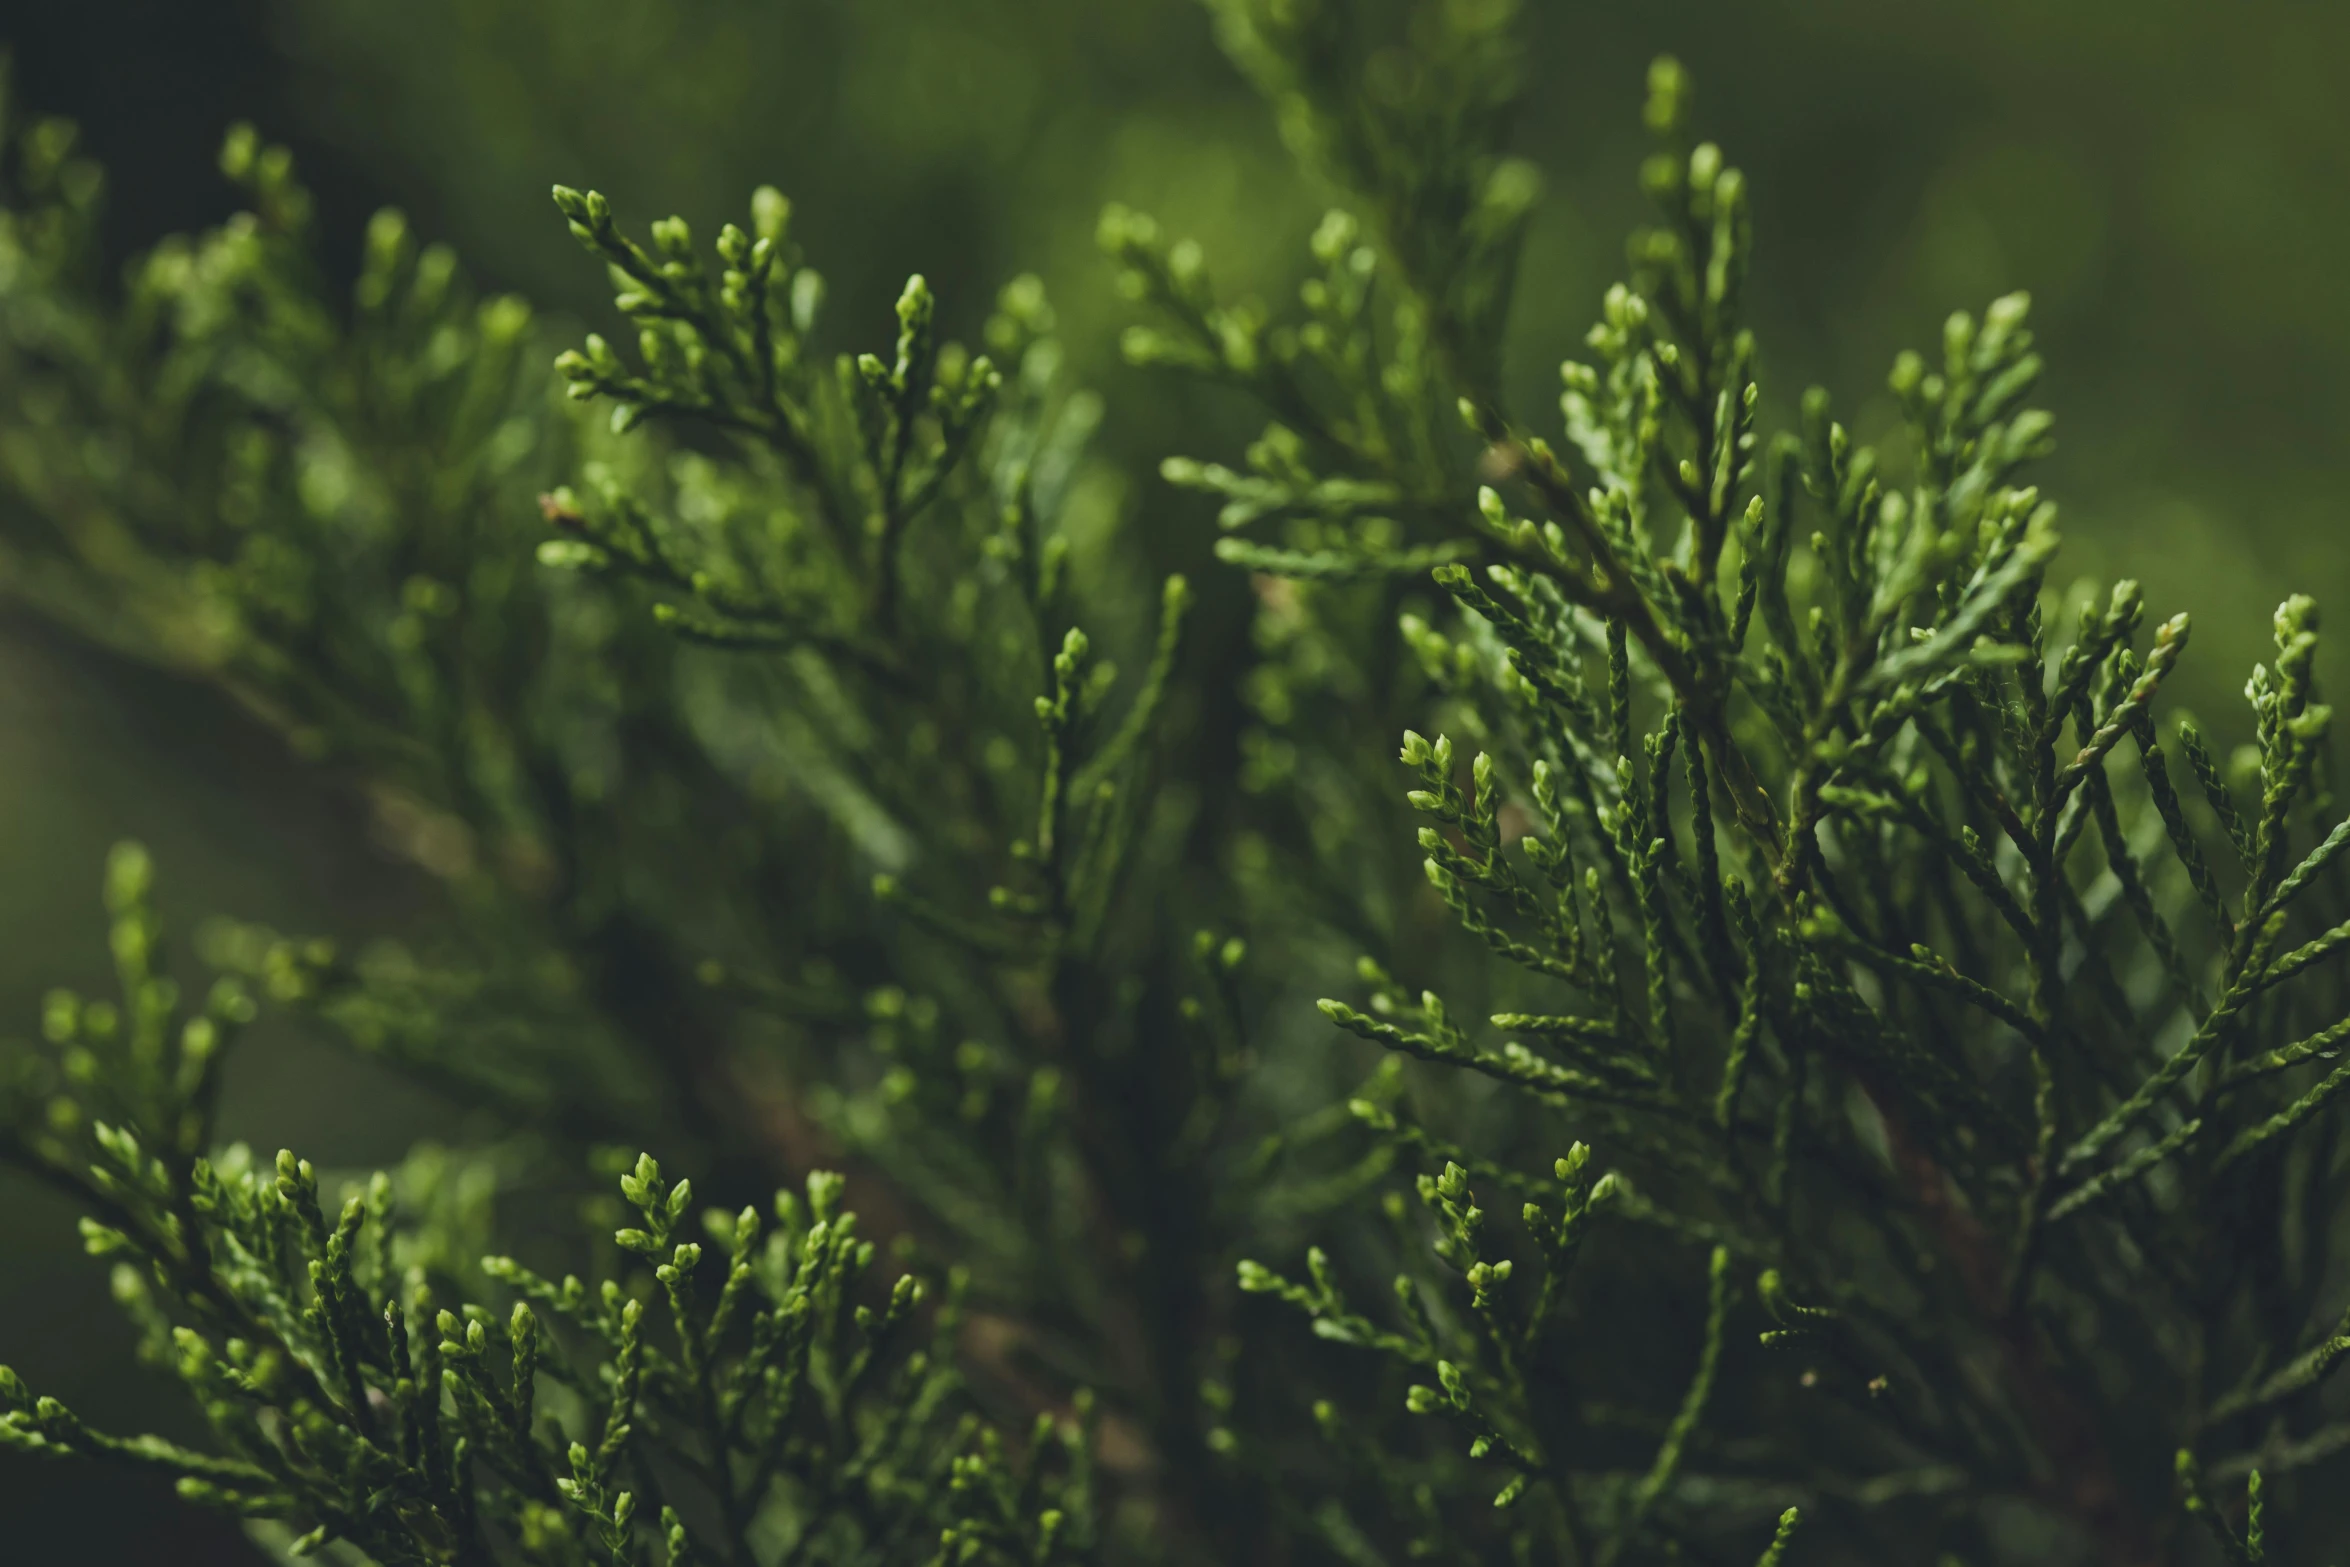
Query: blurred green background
column 2166, row 178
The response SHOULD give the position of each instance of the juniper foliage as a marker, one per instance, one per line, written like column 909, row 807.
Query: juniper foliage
column 343, row 1396
column 1851, row 1075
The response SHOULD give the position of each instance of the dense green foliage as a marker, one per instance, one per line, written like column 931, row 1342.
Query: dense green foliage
column 1842, row 1076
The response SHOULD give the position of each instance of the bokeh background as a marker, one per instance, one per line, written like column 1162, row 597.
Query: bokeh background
column 2171, row 180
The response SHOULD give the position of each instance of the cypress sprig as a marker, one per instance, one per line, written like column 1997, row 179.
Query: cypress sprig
column 820, row 770
column 1911, row 761
column 338, row 1420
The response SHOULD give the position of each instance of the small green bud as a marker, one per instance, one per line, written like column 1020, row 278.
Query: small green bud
column 12, row 1391
column 1668, row 96
column 129, row 876
column 61, row 1014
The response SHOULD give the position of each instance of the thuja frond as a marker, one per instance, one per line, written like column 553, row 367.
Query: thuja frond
column 1857, row 958
column 367, row 1383
column 798, row 725
column 1820, row 1038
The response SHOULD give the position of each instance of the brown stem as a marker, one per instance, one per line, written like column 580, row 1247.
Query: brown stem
column 2081, row 1482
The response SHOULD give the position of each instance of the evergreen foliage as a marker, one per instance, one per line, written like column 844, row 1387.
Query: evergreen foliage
column 347, row 1398
column 1851, row 1076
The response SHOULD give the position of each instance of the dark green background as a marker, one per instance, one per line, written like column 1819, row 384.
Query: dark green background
column 2169, row 180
